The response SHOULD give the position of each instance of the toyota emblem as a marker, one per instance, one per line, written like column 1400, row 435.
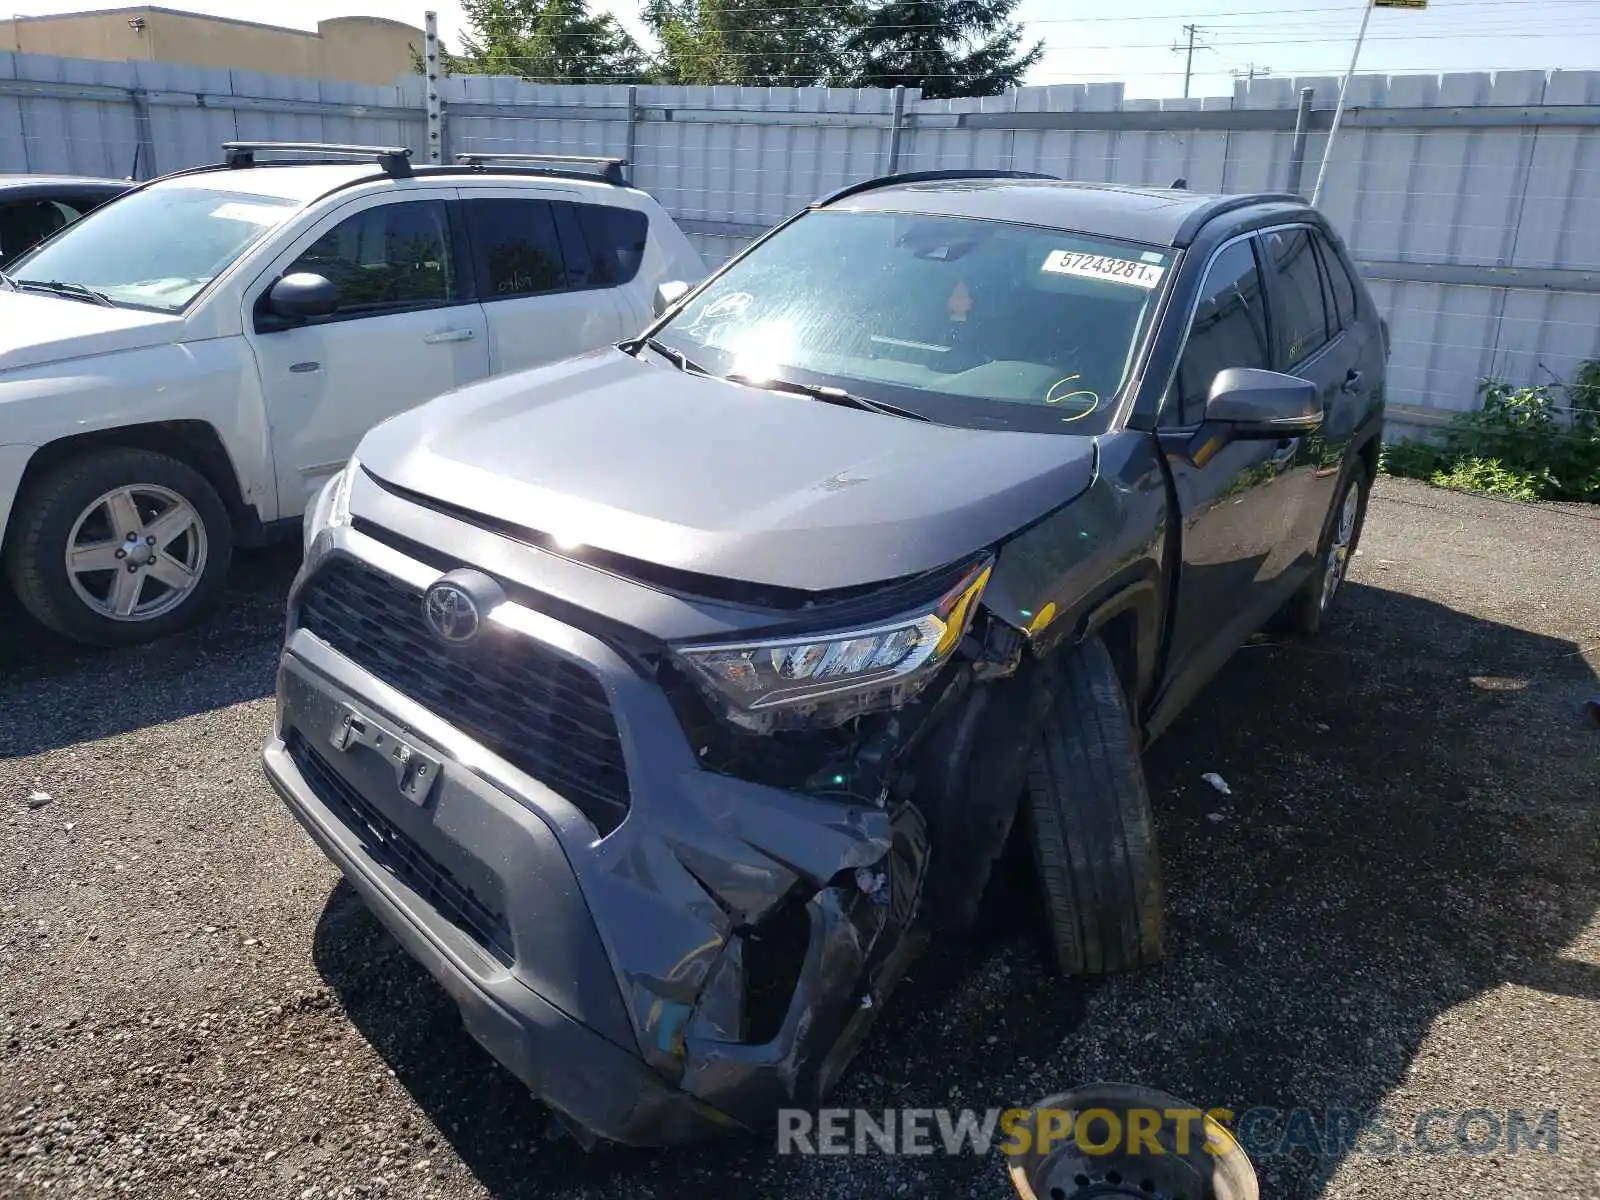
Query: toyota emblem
column 456, row 605
column 451, row 613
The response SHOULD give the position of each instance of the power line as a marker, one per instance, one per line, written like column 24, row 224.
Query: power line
column 1280, row 20
column 1519, row 30
column 1277, row 15
column 1058, row 77
column 1566, row 34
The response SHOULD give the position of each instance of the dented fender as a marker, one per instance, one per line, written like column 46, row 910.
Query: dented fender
column 1073, row 572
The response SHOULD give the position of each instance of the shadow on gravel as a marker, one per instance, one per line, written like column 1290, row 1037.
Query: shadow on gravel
column 1412, row 822
column 64, row 692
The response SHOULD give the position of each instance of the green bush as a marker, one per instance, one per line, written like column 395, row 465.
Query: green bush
column 1523, row 443
column 1489, row 476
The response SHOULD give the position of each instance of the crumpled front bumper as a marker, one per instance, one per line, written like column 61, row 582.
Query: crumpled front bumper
column 717, row 956
column 592, row 1081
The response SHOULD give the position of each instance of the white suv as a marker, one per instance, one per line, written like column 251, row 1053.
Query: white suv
column 181, row 369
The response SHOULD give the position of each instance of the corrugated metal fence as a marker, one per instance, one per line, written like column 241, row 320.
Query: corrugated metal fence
column 1470, row 200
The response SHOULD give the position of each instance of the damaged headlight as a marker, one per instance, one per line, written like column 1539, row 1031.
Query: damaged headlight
column 824, row 679
column 330, row 507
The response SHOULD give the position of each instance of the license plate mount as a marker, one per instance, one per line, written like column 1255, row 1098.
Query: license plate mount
column 414, row 771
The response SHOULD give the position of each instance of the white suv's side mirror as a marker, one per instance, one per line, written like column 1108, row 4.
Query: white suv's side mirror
column 668, row 294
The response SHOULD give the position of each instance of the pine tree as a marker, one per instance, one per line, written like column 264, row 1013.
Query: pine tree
column 547, row 41
column 945, row 47
column 760, row 43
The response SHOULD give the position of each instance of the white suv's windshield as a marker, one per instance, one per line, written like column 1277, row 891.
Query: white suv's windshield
column 152, row 249
column 964, row 321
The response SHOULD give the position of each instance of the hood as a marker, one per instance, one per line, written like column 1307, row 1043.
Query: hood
column 36, row 329
column 701, row 475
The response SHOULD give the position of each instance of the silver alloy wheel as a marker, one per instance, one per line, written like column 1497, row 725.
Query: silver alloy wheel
column 137, row 552
column 1343, row 538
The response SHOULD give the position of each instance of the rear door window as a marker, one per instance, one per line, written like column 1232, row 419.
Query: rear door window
column 515, row 248
column 583, row 271
column 1298, row 312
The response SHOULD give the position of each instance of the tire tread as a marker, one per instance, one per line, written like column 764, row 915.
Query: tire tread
column 1093, row 832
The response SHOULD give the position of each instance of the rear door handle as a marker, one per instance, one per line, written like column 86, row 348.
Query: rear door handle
column 1352, row 381
column 450, row 335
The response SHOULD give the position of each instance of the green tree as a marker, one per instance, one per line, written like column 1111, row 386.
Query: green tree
column 547, row 41
column 759, row 43
column 945, row 47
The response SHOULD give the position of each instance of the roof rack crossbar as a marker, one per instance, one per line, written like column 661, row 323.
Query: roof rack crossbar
column 867, row 185
column 611, row 169
column 395, row 160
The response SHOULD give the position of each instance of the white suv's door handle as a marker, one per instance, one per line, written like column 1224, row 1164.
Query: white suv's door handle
column 450, row 335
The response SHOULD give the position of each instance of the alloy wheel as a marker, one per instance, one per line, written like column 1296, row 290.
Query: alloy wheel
column 1339, row 552
column 136, row 552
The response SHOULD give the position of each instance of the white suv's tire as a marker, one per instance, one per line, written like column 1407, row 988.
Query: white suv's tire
column 119, row 546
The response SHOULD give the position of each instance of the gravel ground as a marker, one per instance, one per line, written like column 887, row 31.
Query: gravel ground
column 1397, row 908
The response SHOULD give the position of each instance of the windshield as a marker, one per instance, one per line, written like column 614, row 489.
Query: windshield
column 155, row 248
column 967, row 322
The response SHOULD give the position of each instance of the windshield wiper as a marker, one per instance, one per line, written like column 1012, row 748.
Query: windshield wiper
column 677, row 357
column 76, row 290
column 829, row 395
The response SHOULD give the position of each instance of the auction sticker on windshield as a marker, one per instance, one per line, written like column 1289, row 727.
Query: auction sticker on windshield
column 1104, row 266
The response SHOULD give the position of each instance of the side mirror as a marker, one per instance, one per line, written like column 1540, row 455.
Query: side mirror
column 302, row 295
column 668, row 294
column 1263, row 404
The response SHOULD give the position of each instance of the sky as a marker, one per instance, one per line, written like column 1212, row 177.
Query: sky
column 1083, row 44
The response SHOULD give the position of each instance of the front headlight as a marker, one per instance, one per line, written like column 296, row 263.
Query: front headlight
column 331, row 506
column 824, row 679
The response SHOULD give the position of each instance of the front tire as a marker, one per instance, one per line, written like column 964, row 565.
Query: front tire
column 1093, row 831
column 119, row 546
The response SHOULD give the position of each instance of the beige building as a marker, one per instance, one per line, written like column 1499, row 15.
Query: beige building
column 352, row 49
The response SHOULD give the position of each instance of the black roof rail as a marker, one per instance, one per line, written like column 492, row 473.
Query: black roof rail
column 395, row 160
column 1214, row 208
column 867, row 185
column 611, row 169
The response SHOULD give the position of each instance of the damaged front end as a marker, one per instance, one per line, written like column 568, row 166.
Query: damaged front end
column 789, row 993
column 781, row 922
column 712, row 943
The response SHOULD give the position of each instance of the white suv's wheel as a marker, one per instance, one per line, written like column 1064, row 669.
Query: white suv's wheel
column 119, row 546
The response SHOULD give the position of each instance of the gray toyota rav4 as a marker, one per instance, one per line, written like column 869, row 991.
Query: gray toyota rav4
column 664, row 701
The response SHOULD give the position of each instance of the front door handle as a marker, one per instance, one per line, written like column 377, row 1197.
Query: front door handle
column 1352, row 381
column 451, row 335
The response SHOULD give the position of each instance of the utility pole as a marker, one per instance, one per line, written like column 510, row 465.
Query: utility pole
column 1191, row 32
column 1250, row 71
